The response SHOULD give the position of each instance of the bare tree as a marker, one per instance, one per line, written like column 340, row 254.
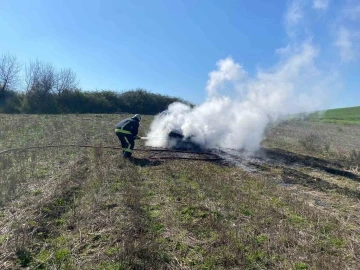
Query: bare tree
column 47, row 78
column 42, row 82
column 40, row 77
column 32, row 74
column 66, row 79
column 9, row 72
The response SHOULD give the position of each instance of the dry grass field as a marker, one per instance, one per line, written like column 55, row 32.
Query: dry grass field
column 293, row 205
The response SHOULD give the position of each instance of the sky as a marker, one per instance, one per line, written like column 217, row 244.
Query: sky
column 172, row 47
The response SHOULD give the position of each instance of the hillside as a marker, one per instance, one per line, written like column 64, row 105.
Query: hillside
column 294, row 205
column 349, row 115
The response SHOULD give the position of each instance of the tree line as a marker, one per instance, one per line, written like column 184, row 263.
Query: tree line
column 39, row 87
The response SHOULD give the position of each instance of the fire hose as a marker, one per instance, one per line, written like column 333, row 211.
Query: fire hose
column 211, row 156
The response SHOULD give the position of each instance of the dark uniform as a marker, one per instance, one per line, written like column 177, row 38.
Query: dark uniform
column 127, row 131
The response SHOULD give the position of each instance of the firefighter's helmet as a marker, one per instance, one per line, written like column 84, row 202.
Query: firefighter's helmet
column 137, row 117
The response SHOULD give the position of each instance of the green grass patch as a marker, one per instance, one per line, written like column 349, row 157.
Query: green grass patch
column 340, row 116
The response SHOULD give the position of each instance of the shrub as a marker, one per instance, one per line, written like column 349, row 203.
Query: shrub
column 77, row 101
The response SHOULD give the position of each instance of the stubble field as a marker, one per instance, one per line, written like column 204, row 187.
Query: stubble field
column 292, row 205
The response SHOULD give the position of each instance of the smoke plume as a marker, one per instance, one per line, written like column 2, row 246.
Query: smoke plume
column 239, row 105
column 238, row 118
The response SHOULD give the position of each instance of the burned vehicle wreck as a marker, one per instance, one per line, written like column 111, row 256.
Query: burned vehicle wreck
column 176, row 140
column 172, row 129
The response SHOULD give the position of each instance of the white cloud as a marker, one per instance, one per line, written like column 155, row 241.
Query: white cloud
column 345, row 44
column 321, row 4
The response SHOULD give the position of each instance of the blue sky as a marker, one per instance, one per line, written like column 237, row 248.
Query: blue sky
column 171, row 46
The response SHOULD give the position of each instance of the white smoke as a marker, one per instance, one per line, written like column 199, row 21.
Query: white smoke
column 238, row 119
column 239, row 105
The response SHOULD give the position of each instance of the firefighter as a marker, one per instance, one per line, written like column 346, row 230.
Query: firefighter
column 127, row 132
